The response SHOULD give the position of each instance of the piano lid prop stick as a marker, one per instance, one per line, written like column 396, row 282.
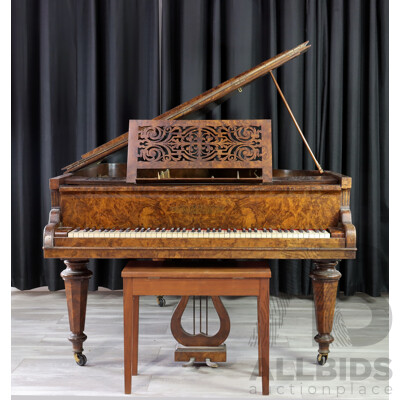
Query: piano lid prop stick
column 321, row 171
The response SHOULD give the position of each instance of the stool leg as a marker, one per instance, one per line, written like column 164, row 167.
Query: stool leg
column 128, row 317
column 135, row 334
column 259, row 340
column 263, row 322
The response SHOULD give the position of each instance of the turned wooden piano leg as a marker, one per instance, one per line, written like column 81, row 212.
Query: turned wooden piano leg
column 76, row 278
column 325, row 280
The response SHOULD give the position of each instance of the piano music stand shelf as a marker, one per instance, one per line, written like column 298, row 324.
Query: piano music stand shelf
column 246, row 278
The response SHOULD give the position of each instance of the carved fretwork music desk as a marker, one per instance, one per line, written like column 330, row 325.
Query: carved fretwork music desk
column 199, row 151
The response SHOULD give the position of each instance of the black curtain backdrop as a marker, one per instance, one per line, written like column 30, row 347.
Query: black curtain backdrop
column 82, row 68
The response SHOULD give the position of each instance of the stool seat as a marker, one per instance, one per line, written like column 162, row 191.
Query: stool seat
column 194, row 278
column 214, row 269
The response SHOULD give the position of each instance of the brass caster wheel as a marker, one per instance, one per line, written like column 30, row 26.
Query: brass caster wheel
column 321, row 358
column 80, row 359
column 161, row 301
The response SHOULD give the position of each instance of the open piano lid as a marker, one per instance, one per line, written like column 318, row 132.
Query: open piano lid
column 215, row 95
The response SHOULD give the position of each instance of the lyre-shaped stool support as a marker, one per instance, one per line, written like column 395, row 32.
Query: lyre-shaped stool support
column 241, row 278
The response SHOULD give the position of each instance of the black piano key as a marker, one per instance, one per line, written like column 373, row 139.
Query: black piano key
column 265, row 230
column 172, row 229
column 178, row 229
column 219, row 230
column 229, row 231
column 77, row 229
column 214, row 230
column 183, row 229
column 234, row 230
column 208, row 230
column 157, row 229
column 137, row 230
column 148, row 229
column 292, row 231
column 270, row 230
column 128, row 230
column 255, row 229
column 193, row 229
column 142, row 229
column 163, row 230
column 199, row 230
column 243, row 229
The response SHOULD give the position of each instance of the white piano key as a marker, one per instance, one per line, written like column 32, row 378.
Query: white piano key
column 141, row 233
column 326, row 234
column 151, row 233
column 322, row 233
column 117, row 233
column 190, row 234
column 85, row 233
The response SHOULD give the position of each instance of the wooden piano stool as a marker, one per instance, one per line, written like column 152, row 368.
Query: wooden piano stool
column 246, row 278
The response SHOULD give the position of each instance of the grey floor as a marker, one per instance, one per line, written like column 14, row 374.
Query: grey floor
column 43, row 366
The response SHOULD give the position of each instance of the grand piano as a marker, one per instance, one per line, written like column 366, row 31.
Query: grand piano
column 96, row 212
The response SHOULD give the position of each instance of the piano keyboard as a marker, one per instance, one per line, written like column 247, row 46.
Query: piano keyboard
column 200, row 233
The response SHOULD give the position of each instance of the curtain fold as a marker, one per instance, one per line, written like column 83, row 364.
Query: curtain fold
column 82, row 69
